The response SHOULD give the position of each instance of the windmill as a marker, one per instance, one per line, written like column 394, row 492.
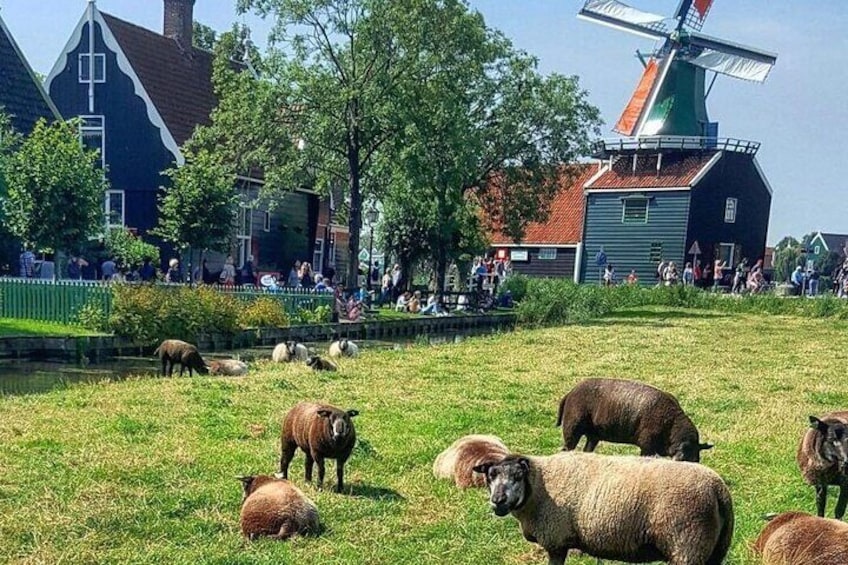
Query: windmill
column 671, row 96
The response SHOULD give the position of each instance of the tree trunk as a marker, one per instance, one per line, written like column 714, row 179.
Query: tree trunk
column 441, row 247
column 355, row 219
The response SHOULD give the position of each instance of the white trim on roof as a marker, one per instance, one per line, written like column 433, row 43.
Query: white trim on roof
column 124, row 64
column 820, row 238
column 637, row 189
column 763, row 176
column 32, row 74
column 539, row 245
column 602, row 168
column 706, row 168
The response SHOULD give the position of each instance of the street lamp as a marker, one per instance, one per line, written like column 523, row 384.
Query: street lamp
column 371, row 216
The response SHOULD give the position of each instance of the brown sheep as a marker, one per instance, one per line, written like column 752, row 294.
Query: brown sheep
column 173, row 351
column 823, row 459
column 322, row 432
column 319, row 364
column 795, row 538
column 276, row 508
column 632, row 509
column 458, row 460
column 622, row 411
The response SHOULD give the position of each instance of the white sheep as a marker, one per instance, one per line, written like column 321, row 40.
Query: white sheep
column 343, row 348
column 228, row 367
column 633, row 509
column 457, row 462
column 289, row 351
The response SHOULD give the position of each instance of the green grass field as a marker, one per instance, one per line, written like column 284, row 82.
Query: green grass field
column 143, row 471
column 15, row 327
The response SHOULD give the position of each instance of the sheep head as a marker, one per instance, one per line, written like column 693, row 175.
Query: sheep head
column 339, row 422
column 834, row 445
column 689, row 451
column 508, row 483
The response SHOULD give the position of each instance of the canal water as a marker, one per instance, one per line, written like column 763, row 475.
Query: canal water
column 34, row 377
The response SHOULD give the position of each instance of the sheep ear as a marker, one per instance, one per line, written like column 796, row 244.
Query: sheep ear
column 524, row 463
column 483, row 468
column 353, row 413
column 705, row 446
column 817, row 424
column 324, row 413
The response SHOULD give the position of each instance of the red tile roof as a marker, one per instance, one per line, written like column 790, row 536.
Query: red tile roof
column 178, row 80
column 677, row 170
column 565, row 224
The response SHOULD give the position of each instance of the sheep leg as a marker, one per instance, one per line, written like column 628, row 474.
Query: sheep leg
column 591, row 443
column 164, row 365
column 570, row 437
column 182, row 369
column 340, row 475
column 557, row 557
column 309, row 462
column 821, row 499
column 842, row 501
column 322, row 469
column 286, row 455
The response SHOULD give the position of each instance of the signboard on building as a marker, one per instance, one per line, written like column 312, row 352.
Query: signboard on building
column 518, row 255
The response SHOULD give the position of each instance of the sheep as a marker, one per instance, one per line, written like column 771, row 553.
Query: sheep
column 458, row 460
column 172, row 351
column 343, row 348
column 625, row 508
column 276, row 508
column 322, row 432
column 289, row 351
column 319, row 364
column 823, row 459
column 228, row 367
column 622, row 411
column 795, row 538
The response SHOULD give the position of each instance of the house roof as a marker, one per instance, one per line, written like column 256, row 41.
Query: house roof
column 177, row 79
column 677, row 170
column 834, row 241
column 21, row 97
column 565, row 224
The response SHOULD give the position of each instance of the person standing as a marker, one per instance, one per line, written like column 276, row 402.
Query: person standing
column 688, row 275
column 74, row 270
column 814, row 281
column 632, row 278
column 148, row 271
column 293, row 279
column 609, row 275
column 718, row 273
column 27, row 263
column 173, row 275
column 108, row 269
column 247, row 276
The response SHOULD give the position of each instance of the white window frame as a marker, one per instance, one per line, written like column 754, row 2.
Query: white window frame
column 318, row 256
column 640, row 199
column 108, row 209
column 88, row 125
column 731, row 205
column 518, row 255
column 727, row 260
column 83, row 64
column 245, row 220
column 266, row 223
column 547, row 254
column 817, row 249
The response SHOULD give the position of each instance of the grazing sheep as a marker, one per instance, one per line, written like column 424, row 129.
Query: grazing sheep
column 823, row 459
column 633, row 509
column 458, row 461
column 343, row 348
column 228, row 367
column 319, row 364
column 173, row 351
column 276, row 508
column 622, row 411
column 795, row 538
column 289, row 351
column 322, row 432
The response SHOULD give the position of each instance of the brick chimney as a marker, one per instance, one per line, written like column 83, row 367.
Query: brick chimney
column 179, row 19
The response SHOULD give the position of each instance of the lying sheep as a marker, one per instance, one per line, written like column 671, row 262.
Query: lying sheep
column 276, row 508
column 319, row 364
column 457, row 462
column 322, row 432
column 343, row 348
column 622, row 411
column 172, row 351
column 633, row 509
column 795, row 538
column 823, row 459
column 228, row 367
column 289, row 351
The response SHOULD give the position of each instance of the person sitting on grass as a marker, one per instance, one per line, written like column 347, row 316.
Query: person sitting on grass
column 403, row 302
column 414, row 305
column 434, row 306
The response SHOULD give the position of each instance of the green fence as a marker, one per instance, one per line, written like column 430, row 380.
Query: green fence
column 61, row 301
column 49, row 301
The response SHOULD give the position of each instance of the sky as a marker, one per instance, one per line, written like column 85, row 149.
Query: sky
column 799, row 114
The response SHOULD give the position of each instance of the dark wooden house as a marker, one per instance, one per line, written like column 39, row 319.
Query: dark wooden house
column 140, row 95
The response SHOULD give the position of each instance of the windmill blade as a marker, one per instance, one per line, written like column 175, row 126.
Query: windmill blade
column 728, row 58
column 619, row 15
column 693, row 13
column 629, row 119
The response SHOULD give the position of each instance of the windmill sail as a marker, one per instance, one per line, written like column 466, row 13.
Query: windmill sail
column 732, row 65
column 630, row 117
column 619, row 15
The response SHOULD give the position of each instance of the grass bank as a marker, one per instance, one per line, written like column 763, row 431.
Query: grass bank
column 15, row 327
column 142, row 471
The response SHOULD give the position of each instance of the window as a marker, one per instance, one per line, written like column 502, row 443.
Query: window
column 93, row 136
column 548, row 253
column 634, row 211
column 725, row 253
column 655, row 253
column 114, row 209
column 817, row 249
column 245, row 229
column 730, row 211
column 318, row 256
column 518, row 255
column 266, row 224
column 99, row 67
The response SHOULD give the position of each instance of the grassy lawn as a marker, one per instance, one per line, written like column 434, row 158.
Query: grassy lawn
column 14, row 327
column 142, row 471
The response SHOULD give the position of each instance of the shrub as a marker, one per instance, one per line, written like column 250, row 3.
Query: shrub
column 264, row 312
column 130, row 249
column 91, row 316
column 517, row 285
column 318, row 315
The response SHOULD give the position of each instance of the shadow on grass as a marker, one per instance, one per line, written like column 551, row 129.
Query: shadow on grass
column 373, row 492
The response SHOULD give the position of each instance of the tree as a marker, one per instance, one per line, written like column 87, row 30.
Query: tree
column 55, row 189
column 787, row 256
column 198, row 210
column 203, row 36
column 129, row 249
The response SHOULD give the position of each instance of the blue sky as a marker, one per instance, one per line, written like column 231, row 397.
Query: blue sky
column 800, row 114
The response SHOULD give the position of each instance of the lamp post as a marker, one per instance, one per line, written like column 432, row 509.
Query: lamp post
column 371, row 216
